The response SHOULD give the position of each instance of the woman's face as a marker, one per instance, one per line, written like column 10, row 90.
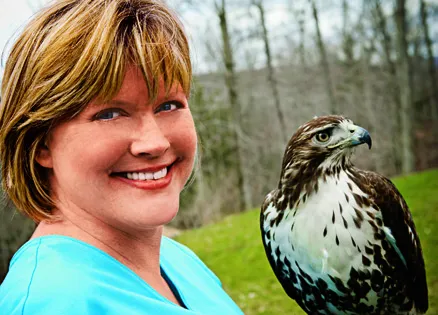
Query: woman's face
column 124, row 162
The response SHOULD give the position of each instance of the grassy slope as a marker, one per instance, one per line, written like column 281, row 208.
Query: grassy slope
column 232, row 248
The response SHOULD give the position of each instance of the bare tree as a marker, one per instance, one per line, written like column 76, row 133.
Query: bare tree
column 404, row 74
column 365, row 93
column 431, row 65
column 270, row 69
column 299, row 16
column 347, row 38
column 231, row 84
column 381, row 28
column 302, row 37
column 324, row 61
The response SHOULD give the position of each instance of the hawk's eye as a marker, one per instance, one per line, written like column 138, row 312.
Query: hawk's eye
column 322, row 136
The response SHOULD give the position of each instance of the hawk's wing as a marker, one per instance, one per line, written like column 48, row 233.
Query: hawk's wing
column 398, row 219
column 285, row 279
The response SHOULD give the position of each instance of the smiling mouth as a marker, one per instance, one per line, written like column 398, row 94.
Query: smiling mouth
column 145, row 176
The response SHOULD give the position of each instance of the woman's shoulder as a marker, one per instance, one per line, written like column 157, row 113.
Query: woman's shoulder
column 172, row 247
column 56, row 254
column 64, row 270
column 60, row 275
column 52, row 255
column 198, row 286
column 169, row 245
column 173, row 251
column 35, row 268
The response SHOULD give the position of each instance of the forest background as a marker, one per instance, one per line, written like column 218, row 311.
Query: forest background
column 264, row 67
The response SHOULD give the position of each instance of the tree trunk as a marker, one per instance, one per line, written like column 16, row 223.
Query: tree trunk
column 324, row 62
column 300, row 18
column 386, row 41
column 231, row 84
column 431, row 65
column 271, row 75
column 404, row 74
column 347, row 44
column 365, row 93
column 380, row 25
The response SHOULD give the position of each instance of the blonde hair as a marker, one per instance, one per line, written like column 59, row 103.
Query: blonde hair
column 71, row 53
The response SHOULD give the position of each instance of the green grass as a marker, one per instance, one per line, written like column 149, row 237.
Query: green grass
column 232, row 248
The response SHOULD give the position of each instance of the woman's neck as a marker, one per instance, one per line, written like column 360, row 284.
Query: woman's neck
column 139, row 252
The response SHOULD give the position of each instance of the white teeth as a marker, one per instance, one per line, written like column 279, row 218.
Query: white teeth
column 157, row 175
column 147, row 175
column 160, row 174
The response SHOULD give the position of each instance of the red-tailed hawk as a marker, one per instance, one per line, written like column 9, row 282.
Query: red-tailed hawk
column 339, row 239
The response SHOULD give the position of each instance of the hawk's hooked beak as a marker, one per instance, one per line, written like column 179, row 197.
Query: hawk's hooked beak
column 359, row 136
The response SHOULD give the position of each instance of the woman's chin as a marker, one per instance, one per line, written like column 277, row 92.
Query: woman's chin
column 156, row 217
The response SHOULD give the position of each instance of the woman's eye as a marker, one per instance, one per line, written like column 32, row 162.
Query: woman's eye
column 322, row 137
column 107, row 114
column 169, row 106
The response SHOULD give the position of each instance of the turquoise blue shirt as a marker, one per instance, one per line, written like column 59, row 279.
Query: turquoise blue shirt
column 61, row 275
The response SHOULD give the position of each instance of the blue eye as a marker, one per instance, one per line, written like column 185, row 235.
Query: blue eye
column 107, row 114
column 169, row 106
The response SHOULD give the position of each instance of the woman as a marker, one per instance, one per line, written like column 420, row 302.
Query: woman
column 97, row 142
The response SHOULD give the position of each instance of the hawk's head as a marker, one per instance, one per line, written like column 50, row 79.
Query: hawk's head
column 324, row 143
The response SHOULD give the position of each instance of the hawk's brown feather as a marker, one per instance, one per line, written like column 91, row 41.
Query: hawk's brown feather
column 397, row 217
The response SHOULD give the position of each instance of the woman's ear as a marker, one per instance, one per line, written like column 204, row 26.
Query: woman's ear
column 44, row 157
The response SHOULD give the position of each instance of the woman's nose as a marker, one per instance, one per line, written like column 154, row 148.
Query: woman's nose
column 149, row 140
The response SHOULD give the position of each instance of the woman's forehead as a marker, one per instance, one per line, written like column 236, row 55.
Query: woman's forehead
column 135, row 82
column 134, row 91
